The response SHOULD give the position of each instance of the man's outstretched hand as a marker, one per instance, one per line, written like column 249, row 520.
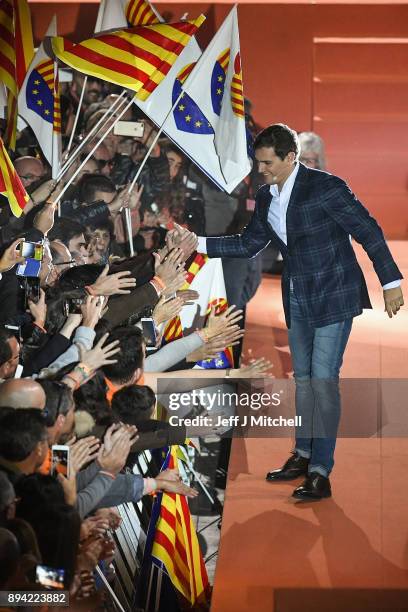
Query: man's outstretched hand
column 393, row 300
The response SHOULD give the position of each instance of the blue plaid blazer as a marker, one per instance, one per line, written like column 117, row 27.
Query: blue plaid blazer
column 319, row 258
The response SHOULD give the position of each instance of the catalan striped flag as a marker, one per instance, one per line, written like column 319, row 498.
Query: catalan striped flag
column 141, row 12
column 136, row 58
column 8, row 67
column 10, row 184
column 174, row 329
column 16, row 52
column 24, row 44
column 175, row 546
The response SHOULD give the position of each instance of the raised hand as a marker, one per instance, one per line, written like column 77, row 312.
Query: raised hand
column 183, row 239
column 164, row 311
column 258, row 368
column 101, row 355
column 113, row 284
column 217, row 324
column 187, row 295
column 12, row 256
column 92, row 310
column 38, row 309
column 84, row 451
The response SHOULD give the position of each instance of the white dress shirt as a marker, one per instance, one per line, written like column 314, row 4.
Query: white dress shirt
column 277, row 215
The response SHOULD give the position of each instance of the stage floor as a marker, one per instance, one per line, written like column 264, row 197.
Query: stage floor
column 349, row 552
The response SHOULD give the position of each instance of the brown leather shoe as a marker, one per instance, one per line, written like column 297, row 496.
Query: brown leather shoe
column 294, row 467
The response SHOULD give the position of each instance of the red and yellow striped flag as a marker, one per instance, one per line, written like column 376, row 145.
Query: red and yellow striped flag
column 10, row 184
column 8, row 67
column 16, row 53
column 141, row 12
column 137, row 58
column 23, row 35
column 175, row 543
column 173, row 329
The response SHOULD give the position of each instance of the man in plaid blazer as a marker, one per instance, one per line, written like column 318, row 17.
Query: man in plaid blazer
column 310, row 215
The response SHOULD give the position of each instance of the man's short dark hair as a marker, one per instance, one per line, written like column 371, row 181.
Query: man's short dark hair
column 64, row 229
column 133, row 403
column 130, row 356
column 58, row 400
column 20, row 432
column 89, row 184
column 5, row 350
column 279, row 136
column 79, row 277
column 101, row 224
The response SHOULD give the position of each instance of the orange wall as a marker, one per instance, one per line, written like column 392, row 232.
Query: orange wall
column 276, row 42
column 277, row 52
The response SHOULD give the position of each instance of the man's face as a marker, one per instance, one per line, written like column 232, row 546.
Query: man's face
column 310, row 159
column 8, row 369
column 47, row 269
column 78, row 249
column 274, row 169
column 175, row 163
column 93, row 92
column 64, row 261
column 101, row 238
column 29, row 170
column 103, row 157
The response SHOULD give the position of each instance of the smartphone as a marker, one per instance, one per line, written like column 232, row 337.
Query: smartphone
column 32, row 290
column 60, row 460
column 74, row 305
column 149, row 331
column 129, row 128
column 32, row 250
column 50, row 577
column 31, row 267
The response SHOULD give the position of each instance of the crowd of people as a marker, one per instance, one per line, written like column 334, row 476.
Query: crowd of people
column 73, row 365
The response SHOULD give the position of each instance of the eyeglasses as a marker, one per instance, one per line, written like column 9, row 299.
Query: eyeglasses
column 31, row 177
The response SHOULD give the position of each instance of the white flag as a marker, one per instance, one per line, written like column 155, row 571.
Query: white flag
column 215, row 85
column 111, row 16
column 38, row 103
column 187, row 125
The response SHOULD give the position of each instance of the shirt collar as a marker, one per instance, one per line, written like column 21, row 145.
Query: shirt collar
column 288, row 184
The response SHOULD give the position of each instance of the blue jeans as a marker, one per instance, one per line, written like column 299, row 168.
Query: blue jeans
column 317, row 356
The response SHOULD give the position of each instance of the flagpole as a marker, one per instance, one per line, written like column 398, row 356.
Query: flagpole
column 196, row 476
column 97, row 127
column 149, row 588
column 55, row 167
column 158, row 588
column 128, row 219
column 71, row 138
column 78, row 170
column 109, row 589
column 156, row 138
column 142, row 165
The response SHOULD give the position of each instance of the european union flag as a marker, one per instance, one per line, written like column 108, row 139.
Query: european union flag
column 221, row 362
column 39, row 96
column 218, row 80
column 187, row 114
